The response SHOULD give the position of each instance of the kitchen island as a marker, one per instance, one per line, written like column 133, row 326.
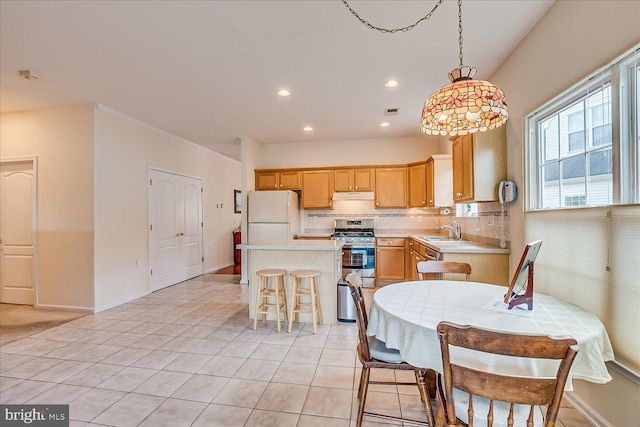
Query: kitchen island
column 322, row 255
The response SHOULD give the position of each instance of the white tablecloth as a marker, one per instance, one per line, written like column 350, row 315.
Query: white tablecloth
column 405, row 316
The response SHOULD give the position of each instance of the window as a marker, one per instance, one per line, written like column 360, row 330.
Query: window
column 583, row 148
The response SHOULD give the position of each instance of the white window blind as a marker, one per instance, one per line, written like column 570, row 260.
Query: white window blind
column 591, row 258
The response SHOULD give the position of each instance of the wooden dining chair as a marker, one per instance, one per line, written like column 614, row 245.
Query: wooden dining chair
column 374, row 354
column 472, row 397
column 439, row 267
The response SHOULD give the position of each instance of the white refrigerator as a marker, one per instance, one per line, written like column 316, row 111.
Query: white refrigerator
column 272, row 215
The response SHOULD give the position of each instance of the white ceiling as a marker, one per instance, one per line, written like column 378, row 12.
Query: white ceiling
column 207, row 71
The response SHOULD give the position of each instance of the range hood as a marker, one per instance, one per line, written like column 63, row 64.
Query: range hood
column 362, row 195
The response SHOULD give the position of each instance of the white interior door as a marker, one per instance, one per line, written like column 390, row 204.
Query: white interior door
column 17, row 232
column 175, row 230
column 191, row 233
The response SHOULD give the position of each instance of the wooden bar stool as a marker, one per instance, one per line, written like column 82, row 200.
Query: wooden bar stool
column 311, row 292
column 270, row 285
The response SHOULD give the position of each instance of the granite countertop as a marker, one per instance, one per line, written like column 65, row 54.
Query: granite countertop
column 319, row 232
column 296, row 245
column 461, row 246
column 404, row 233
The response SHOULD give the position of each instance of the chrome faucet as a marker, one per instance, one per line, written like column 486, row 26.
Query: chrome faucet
column 456, row 230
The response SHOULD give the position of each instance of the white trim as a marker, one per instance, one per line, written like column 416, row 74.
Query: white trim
column 586, row 410
column 163, row 170
column 65, row 307
column 625, row 371
column 105, row 109
column 34, row 163
column 122, row 301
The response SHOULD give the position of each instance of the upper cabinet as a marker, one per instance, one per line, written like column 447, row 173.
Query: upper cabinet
column 418, row 185
column 360, row 179
column 317, row 189
column 479, row 164
column 278, row 180
column 391, row 187
column 439, row 181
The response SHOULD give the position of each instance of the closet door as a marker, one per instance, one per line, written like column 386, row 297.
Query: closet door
column 175, row 228
column 17, row 233
column 191, row 233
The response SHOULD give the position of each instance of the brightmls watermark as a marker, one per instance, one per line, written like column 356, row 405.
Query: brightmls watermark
column 34, row 415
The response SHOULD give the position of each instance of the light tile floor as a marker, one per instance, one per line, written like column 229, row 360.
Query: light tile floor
column 187, row 356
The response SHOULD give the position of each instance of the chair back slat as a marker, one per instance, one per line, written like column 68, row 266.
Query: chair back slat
column 523, row 390
column 355, row 286
column 439, row 267
column 534, row 391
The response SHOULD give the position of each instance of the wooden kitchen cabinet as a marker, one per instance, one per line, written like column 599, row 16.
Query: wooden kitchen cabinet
column 485, row 267
column 479, row 164
column 360, row 179
column 391, row 187
column 278, row 180
column 414, row 256
column 317, row 189
column 439, row 179
column 390, row 259
column 418, row 185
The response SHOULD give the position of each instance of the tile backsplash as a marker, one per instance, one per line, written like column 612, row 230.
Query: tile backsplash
column 484, row 226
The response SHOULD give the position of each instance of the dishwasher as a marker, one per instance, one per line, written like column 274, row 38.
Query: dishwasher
column 346, row 309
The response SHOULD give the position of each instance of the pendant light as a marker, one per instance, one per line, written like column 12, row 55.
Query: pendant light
column 465, row 105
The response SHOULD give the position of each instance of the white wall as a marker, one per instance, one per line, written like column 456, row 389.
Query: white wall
column 62, row 139
column 250, row 152
column 385, row 151
column 125, row 149
column 571, row 41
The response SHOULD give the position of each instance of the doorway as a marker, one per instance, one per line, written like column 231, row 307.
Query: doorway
column 18, row 226
column 175, row 228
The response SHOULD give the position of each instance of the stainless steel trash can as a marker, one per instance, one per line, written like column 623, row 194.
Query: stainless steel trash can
column 346, row 309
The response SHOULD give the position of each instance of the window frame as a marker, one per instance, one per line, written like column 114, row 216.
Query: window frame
column 625, row 168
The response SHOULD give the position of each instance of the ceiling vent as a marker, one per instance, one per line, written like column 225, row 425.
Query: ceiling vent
column 391, row 112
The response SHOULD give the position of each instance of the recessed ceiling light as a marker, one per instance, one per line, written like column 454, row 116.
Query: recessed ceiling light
column 308, row 129
column 384, row 124
column 284, row 92
column 391, row 83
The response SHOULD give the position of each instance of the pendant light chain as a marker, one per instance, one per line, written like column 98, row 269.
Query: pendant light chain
column 460, row 29
column 396, row 30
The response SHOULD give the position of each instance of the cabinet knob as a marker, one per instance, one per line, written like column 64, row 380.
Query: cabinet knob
column 377, row 203
column 459, row 194
column 356, row 187
column 280, row 185
column 424, row 202
column 350, row 187
column 378, row 250
column 390, row 242
column 430, row 201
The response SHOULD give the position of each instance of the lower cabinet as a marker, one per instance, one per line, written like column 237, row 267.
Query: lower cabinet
column 390, row 259
column 414, row 256
column 485, row 268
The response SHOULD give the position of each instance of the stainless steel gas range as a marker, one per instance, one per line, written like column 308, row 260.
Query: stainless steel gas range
column 359, row 248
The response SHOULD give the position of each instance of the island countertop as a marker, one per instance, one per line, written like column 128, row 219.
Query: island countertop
column 295, row 245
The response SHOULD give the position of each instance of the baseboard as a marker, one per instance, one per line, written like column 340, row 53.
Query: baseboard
column 586, row 410
column 64, row 307
column 122, row 301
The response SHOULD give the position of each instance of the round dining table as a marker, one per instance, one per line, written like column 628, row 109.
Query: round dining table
column 405, row 316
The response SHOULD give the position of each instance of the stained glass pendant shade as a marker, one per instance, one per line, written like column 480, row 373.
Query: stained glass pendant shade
column 464, row 106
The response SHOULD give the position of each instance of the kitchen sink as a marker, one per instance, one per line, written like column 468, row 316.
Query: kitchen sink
column 439, row 239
